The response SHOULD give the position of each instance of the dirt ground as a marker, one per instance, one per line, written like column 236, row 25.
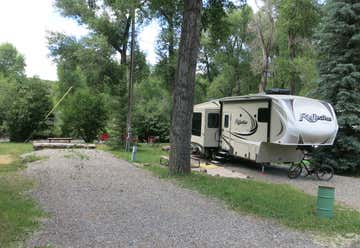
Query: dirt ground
column 6, row 159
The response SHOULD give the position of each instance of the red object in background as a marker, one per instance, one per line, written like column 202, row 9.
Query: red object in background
column 104, row 137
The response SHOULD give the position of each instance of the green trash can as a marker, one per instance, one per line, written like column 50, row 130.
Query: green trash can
column 325, row 202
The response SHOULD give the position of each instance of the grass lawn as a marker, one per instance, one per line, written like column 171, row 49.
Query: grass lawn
column 145, row 153
column 282, row 203
column 18, row 213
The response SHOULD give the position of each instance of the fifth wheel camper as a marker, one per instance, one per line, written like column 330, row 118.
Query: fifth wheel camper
column 263, row 128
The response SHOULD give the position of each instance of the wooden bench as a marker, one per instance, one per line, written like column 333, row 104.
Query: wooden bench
column 60, row 140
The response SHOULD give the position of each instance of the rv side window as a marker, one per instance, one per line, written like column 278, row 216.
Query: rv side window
column 196, row 124
column 213, row 120
column 263, row 115
column 226, row 121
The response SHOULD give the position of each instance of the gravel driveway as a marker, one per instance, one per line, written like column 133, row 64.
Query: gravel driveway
column 347, row 189
column 96, row 200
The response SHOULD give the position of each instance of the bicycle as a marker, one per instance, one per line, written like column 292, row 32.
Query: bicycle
column 323, row 172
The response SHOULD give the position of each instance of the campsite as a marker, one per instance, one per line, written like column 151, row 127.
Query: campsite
column 169, row 123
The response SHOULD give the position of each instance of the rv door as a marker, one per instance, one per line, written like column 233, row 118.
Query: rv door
column 226, row 132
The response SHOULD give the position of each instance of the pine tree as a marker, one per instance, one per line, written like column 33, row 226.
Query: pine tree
column 339, row 49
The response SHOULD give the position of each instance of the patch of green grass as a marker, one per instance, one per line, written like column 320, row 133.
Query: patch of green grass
column 19, row 214
column 146, row 153
column 15, row 149
column 74, row 154
column 282, row 203
column 31, row 158
column 279, row 202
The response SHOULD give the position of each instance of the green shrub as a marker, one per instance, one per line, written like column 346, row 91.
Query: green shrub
column 84, row 115
column 27, row 104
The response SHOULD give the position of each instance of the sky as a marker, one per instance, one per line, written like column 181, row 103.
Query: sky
column 25, row 24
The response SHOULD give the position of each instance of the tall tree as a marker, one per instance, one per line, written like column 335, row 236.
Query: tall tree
column 263, row 28
column 12, row 63
column 168, row 12
column 110, row 18
column 27, row 104
column 339, row 48
column 12, row 72
column 183, row 94
column 230, row 60
column 295, row 25
column 88, row 61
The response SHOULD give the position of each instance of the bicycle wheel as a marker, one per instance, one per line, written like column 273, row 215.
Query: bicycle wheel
column 294, row 171
column 325, row 173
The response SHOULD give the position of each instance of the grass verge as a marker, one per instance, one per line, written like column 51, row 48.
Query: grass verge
column 146, row 153
column 280, row 202
column 19, row 214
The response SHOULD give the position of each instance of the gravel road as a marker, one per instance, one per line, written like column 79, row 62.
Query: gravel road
column 347, row 189
column 96, row 200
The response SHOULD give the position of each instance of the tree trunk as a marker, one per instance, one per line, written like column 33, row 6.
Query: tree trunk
column 171, row 49
column 183, row 94
column 264, row 75
column 292, row 55
column 123, row 50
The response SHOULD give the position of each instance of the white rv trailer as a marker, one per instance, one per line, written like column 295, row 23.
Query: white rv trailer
column 263, row 128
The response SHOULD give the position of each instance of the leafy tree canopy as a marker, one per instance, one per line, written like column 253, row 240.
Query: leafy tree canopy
column 27, row 104
column 339, row 48
column 12, row 63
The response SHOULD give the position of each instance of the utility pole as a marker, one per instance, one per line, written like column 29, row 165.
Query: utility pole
column 131, row 83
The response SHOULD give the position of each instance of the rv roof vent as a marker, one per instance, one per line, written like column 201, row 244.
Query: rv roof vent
column 277, row 91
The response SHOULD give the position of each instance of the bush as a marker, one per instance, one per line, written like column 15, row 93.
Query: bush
column 84, row 115
column 152, row 108
column 27, row 104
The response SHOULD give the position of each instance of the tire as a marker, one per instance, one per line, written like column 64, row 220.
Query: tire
column 294, row 171
column 325, row 173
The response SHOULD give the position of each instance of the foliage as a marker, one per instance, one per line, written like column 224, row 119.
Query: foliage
column 262, row 27
column 90, row 62
column 27, row 104
column 110, row 19
column 339, row 48
column 85, row 62
column 302, row 70
column 12, row 70
column 6, row 85
column 226, row 64
column 169, row 15
column 85, row 114
column 12, row 63
column 151, row 110
column 19, row 214
column 295, row 25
